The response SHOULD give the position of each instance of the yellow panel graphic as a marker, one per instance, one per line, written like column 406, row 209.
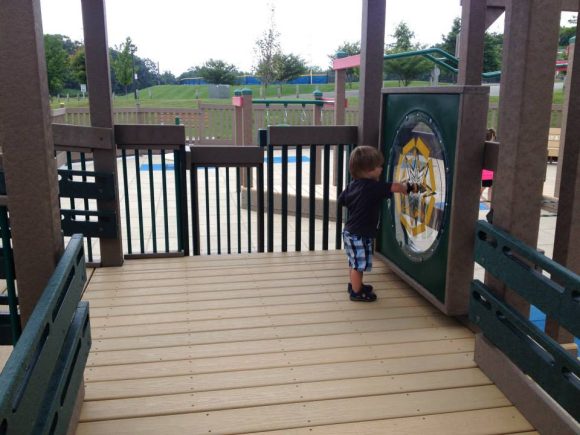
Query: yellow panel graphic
column 415, row 166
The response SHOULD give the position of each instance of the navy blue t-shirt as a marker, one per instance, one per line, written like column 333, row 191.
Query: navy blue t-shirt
column 363, row 199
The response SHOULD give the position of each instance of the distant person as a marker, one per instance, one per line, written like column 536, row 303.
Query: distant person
column 487, row 176
column 362, row 197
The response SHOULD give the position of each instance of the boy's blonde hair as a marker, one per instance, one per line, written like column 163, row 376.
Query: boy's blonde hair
column 364, row 159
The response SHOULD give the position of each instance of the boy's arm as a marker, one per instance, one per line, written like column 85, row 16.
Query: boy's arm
column 341, row 199
column 404, row 188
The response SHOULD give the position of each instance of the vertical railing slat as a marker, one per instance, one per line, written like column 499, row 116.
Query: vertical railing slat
column 207, row 223
column 249, row 206
column 165, row 205
column 312, row 199
column 339, row 188
column 228, row 219
column 284, row 198
column 325, row 196
column 298, row 222
column 239, row 208
column 86, row 205
column 195, row 231
column 270, row 157
column 217, row 202
column 260, row 207
column 15, row 326
column 127, row 207
column 152, row 199
column 262, row 142
column 139, row 202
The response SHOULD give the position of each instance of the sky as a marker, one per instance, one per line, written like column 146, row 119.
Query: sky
column 179, row 34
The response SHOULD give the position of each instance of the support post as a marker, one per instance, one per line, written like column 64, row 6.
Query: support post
column 565, row 111
column 339, row 109
column 371, row 71
column 317, row 120
column 26, row 140
column 566, row 247
column 472, row 42
column 238, row 132
column 247, row 117
column 247, row 122
column 529, row 56
column 99, row 84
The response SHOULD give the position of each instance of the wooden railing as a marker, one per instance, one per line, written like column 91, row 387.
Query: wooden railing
column 543, row 283
column 214, row 124
column 39, row 386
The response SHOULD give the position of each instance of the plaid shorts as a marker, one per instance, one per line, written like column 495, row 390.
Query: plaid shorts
column 359, row 251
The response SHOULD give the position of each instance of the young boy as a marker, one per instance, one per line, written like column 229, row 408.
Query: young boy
column 362, row 197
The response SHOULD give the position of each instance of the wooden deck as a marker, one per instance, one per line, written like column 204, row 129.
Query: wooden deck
column 270, row 342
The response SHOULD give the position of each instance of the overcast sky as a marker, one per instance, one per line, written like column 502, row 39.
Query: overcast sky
column 183, row 33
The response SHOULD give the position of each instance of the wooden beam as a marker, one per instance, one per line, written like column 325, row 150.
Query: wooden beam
column 527, row 81
column 570, row 5
column 346, row 62
column 158, row 136
column 75, row 136
column 567, row 5
column 532, row 401
column 490, row 155
column 101, row 109
column 471, row 42
column 26, row 140
column 313, row 135
column 491, row 15
column 225, row 155
column 372, row 46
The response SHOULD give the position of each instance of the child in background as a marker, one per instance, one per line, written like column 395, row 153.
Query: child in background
column 487, row 176
column 362, row 197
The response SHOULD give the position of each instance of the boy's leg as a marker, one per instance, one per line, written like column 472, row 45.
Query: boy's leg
column 356, row 280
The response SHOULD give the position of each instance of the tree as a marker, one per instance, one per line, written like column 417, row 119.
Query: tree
column 78, row 66
column 57, row 67
column 410, row 68
column 122, row 63
column 167, row 78
column 218, row 72
column 492, row 52
column 449, row 42
column 565, row 34
column 349, row 49
column 148, row 74
column 192, row 71
column 267, row 47
column 288, row 67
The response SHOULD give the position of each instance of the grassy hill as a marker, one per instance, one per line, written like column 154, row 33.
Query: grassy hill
column 183, row 96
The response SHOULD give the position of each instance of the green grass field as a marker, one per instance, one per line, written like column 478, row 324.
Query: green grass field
column 183, row 96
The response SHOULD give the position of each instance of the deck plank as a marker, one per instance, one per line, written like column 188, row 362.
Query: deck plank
column 275, row 376
column 280, row 394
column 174, row 353
column 270, row 342
column 412, row 329
column 193, row 364
column 479, row 422
column 286, row 416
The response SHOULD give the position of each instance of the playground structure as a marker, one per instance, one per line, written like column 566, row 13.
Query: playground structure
column 434, row 134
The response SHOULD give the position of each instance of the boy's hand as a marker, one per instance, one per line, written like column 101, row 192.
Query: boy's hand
column 412, row 188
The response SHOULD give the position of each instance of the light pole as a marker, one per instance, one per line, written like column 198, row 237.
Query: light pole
column 134, row 75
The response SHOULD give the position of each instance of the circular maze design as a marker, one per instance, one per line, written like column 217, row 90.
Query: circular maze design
column 418, row 156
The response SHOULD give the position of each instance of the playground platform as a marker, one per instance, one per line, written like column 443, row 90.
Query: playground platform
column 270, row 343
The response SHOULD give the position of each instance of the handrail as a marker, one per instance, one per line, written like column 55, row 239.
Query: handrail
column 529, row 348
column 40, row 381
column 514, row 263
column 291, row 102
column 427, row 54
